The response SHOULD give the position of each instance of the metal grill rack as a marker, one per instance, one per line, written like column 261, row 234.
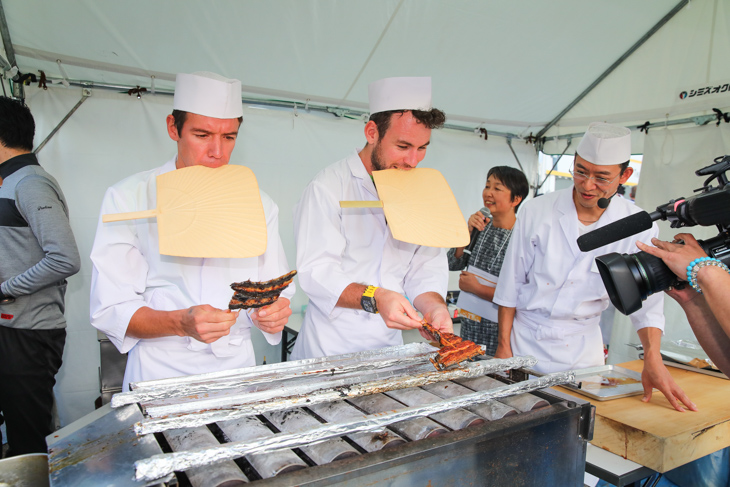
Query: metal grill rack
column 382, row 418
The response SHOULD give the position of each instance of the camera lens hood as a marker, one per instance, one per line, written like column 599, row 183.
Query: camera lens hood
column 621, row 282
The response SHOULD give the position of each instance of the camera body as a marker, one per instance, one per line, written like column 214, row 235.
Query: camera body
column 631, row 278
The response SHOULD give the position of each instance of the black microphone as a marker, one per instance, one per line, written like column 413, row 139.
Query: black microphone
column 613, row 232
column 473, row 240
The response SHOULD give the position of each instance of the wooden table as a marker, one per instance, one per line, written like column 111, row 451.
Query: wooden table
column 657, row 436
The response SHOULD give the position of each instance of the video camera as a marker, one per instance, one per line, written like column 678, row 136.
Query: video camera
column 631, row 278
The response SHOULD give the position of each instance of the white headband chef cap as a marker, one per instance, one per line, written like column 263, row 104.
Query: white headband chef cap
column 400, row 94
column 604, row 144
column 208, row 94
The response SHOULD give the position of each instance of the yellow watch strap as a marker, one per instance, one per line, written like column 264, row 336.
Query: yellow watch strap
column 370, row 291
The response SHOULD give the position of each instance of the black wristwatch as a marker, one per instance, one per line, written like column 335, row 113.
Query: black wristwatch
column 4, row 299
column 367, row 301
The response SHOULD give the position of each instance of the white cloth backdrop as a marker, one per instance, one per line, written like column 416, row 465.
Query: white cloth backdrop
column 671, row 156
column 113, row 135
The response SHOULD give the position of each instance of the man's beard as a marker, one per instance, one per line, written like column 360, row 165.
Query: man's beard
column 376, row 160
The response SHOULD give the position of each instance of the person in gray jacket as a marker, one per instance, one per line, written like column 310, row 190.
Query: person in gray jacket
column 38, row 254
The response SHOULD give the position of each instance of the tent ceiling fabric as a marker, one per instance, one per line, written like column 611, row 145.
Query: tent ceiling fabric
column 691, row 53
column 510, row 66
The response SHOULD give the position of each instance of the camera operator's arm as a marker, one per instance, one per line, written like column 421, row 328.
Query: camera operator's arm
column 708, row 313
column 656, row 375
column 713, row 281
column 713, row 339
column 715, row 285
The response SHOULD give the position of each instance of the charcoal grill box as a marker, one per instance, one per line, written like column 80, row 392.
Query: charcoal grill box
column 545, row 446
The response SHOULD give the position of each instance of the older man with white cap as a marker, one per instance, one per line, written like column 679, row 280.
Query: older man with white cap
column 550, row 293
column 358, row 278
column 170, row 313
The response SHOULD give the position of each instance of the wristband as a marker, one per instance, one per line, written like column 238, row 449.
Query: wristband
column 694, row 267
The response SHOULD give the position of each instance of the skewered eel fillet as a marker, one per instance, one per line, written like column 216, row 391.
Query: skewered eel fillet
column 252, row 294
column 453, row 349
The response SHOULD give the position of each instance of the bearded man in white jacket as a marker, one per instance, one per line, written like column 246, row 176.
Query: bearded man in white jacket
column 363, row 285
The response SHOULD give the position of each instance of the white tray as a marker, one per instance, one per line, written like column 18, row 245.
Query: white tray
column 588, row 382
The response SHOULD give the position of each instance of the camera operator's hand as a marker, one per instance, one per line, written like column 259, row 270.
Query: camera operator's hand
column 683, row 296
column 708, row 313
column 676, row 256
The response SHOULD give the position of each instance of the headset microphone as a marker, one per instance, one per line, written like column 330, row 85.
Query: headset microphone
column 603, row 202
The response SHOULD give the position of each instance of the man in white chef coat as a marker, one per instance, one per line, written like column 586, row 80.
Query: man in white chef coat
column 170, row 313
column 550, row 293
column 363, row 285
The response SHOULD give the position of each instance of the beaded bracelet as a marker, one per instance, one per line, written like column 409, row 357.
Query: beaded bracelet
column 694, row 267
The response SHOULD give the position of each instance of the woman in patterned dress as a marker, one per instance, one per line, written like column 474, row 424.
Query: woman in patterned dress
column 506, row 188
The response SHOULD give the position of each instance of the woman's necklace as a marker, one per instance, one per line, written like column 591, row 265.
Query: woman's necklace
column 499, row 251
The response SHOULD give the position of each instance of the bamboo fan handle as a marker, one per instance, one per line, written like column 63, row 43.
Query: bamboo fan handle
column 133, row 215
column 361, row 204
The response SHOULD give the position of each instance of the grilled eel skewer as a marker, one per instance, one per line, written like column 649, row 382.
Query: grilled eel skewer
column 252, row 294
column 454, row 349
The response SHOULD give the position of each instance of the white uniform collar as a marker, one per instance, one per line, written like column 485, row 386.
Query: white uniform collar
column 566, row 205
column 356, row 165
column 170, row 165
column 569, row 219
column 358, row 170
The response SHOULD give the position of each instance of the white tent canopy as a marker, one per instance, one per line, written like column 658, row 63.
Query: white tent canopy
column 511, row 68
column 506, row 66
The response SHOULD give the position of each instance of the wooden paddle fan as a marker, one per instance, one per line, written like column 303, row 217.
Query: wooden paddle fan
column 419, row 206
column 205, row 212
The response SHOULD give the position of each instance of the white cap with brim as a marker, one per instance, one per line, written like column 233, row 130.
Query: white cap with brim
column 400, row 94
column 208, row 94
column 604, row 144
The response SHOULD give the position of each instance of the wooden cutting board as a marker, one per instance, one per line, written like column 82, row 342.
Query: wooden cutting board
column 205, row 212
column 654, row 434
column 419, row 206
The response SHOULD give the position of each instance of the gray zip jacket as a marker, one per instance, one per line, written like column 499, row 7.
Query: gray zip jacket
column 37, row 248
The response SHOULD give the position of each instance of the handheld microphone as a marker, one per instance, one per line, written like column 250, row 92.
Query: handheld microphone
column 473, row 240
column 613, row 232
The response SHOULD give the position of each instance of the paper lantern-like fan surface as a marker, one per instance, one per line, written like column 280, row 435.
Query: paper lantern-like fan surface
column 211, row 213
column 420, row 207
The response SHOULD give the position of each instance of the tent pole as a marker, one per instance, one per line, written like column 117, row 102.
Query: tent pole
column 375, row 48
column 85, row 93
column 9, row 51
column 7, row 44
column 509, row 143
column 698, row 120
column 616, row 64
column 550, row 172
column 338, row 112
